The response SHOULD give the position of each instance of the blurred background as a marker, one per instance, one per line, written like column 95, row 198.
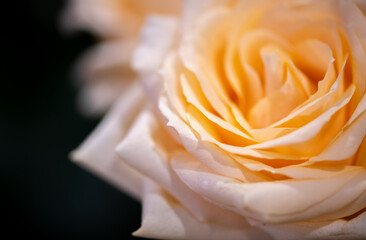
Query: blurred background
column 43, row 194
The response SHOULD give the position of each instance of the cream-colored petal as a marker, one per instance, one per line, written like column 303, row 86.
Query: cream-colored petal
column 104, row 73
column 96, row 97
column 207, row 153
column 97, row 153
column 165, row 218
column 200, row 56
column 157, row 37
column 150, row 153
column 109, row 55
column 338, row 229
column 114, row 18
column 170, row 72
column 278, row 201
column 193, row 10
column 101, row 16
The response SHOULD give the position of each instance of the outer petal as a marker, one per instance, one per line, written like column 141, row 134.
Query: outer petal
column 101, row 16
column 114, row 18
column 97, row 152
column 164, row 218
column 157, row 38
column 147, row 148
column 278, row 201
column 105, row 73
column 331, row 230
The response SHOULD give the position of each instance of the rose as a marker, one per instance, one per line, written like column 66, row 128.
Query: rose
column 254, row 125
column 105, row 70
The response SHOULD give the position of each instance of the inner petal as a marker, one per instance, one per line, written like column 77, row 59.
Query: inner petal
column 273, row 69
column 278, row 104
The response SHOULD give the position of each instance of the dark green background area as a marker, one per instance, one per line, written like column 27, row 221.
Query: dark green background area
column 43, row 194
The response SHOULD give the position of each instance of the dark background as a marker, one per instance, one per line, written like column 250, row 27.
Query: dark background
column 43, row 194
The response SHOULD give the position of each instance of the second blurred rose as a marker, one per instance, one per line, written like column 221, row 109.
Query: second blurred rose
column 104, row 71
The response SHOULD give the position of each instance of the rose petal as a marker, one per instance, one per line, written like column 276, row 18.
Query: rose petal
column 157, row 37
column 346, row 143
column 100, row 16
column 104, row 73
column 281, row 201
column 193, row 94
column 198, row 56
column 210, row 155
column 330, row 230
column 97, row 152
column 189, row 140
column 316, row 103
column 360, row 158
column 355, row 32
column 107, row 55
column 149, row 153
column 97, row 97
column 114, row 18
column 305, row 170
column 165, row 218
column 311, row 129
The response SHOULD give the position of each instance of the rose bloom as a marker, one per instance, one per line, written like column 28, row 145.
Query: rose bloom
column 246, row 119
column 102, row 73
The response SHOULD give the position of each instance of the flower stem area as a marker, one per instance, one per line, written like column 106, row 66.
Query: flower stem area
column 43, row 194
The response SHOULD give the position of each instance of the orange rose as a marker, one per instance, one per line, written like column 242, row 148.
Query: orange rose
column 254, row 125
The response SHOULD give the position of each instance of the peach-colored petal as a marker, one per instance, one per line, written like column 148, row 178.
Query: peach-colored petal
column 150, row 155
column 278, row 104
column 346, row 143
column 212, row 157
column 311, row 129
column 355, row 32
column 360, row 158
column 192, row 95
column 189, row 141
